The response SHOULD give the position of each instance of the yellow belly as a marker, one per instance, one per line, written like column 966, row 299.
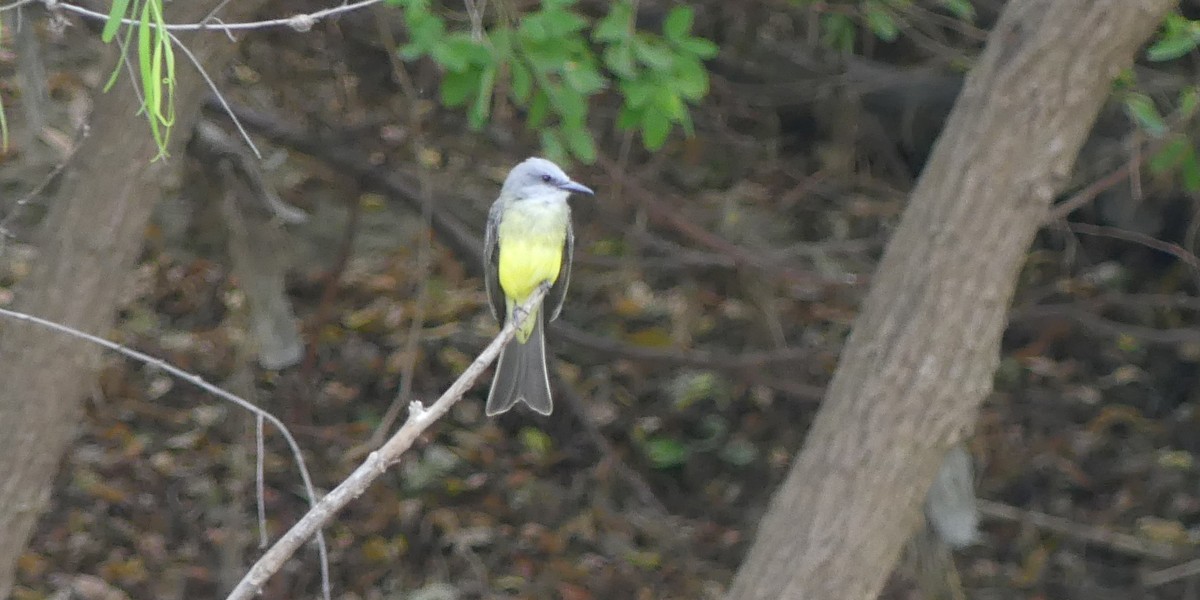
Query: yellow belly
column 527, row 261
column 531, row 237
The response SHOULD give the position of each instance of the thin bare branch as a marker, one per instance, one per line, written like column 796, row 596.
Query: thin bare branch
column 1138, row 237
column 1092, row 534
column 18, row 4
column 420, row 418
column 1188, row 569
column 212, row 85
column 196, row 380
column 1082, row 314
column 301, row 22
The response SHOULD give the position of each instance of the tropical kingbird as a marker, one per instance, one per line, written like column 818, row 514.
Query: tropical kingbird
column 528, row 242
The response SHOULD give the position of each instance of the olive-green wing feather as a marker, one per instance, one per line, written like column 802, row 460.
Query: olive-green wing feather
column 558, row 291
column 491, row 263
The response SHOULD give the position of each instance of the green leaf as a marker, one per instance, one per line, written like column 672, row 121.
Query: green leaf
column 838, row 32
column 1172, row 46
column 1125, row 80
column 150, row 89
column 655, row 127
column 560, row 23
column 156, row 66
column 539, row 106
column 652, row 55
column 881, row 22
column 1189, row 100
column 638, row 92
column 1170, row 156
column 691, row 387
column 552, row 144
column 1190, row 171
column 699, row 47
column 501, row 41
column 669, row 104
column 615, row 26
column 691, row 80
column 583, row 78
column 115, row 14
column 550, row 24
column 533, row 29
column 567, row 102
column 629, row 117
column 457, row 87
column 116, row 72
column 678, row 23
column 522, row 81
column 961, row 9
column 1141, row 108
column 1179, row 36
column 426, row 31
column 580, row 143
column 543, row 57
column 619, row 60
column 665, row 453
column 144, row 31
column 482, row 105
column 459, row 51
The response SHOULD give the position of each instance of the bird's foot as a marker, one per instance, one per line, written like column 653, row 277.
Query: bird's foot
column 520, row 314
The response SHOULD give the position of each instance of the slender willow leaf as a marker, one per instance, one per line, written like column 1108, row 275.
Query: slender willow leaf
column 115, row 15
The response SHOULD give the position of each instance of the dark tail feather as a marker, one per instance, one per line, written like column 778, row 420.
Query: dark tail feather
column 521, row 375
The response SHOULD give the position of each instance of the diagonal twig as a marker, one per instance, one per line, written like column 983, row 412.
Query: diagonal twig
column 199, row 382
column 1138, row 237
column 1115, row 540
column 1160, row 577
column 377, row 463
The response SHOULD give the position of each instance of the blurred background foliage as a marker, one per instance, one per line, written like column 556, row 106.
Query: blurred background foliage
column 750, row 160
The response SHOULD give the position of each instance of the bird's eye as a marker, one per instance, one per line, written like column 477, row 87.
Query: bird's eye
column 547, row 179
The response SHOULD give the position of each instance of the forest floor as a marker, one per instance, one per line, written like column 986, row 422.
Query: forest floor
column 714, row 283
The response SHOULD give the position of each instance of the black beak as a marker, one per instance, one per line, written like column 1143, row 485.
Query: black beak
column 578, row 188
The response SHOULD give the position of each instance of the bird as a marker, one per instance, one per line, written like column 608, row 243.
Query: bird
column 528, row 242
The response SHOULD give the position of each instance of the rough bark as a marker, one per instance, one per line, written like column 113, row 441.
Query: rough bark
column 87, row 245
column 922, row 354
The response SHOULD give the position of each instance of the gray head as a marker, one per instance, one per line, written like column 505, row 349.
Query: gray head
column 538, row 177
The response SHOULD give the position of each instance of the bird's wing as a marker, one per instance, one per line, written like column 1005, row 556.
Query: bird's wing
column 558, row 291
column 491, row 262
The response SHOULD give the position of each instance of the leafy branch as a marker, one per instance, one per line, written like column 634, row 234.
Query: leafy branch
column 549, row 66
column 842, row 22
column 156, row 63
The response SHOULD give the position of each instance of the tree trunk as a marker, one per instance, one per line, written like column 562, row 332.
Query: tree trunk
column 87, row 245
column 922, row 354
